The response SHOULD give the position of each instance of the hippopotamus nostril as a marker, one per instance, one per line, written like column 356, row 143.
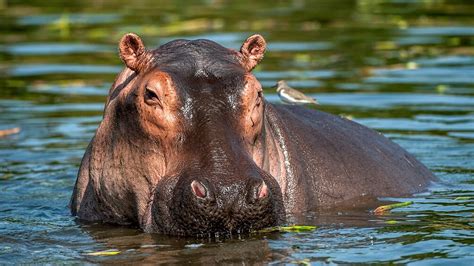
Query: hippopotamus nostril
column 198, row 189
column 258, row 191
column 262, row 190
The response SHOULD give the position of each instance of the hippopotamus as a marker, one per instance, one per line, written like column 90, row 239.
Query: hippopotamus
column 188, row 145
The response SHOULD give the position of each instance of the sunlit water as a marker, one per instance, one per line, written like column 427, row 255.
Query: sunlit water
column 405, row 68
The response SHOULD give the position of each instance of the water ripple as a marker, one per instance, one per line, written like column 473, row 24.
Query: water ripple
column 45, row 69
column 55, row 48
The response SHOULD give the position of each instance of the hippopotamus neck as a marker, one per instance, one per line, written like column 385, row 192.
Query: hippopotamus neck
column 275, row 158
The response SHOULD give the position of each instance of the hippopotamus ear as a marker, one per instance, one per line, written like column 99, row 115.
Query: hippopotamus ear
column 133, row 52
column 252, row 51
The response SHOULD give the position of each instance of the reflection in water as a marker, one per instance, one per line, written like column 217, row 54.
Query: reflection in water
column 150, row 248
column 405, row 68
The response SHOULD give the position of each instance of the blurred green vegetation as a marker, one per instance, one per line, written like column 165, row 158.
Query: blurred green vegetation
column 405, row 68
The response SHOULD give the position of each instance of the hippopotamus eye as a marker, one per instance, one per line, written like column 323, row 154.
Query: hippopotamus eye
column 259, row 98
column 151, row 98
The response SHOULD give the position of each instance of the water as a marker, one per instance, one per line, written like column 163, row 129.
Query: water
column 405, row 68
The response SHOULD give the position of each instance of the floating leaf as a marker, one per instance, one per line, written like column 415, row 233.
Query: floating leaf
column 109, row 252
column 384, row 208
column 289, row 229
column 297, row 228
column 392, row 222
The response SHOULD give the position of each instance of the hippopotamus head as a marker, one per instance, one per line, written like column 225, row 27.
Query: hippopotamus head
column 184, row 127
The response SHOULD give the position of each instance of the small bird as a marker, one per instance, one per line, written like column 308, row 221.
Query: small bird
column 291, row 96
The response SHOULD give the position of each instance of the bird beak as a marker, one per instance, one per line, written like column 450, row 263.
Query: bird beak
column 274, row 86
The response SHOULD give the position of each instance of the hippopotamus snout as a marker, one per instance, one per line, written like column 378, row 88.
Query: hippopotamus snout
column 198, row 205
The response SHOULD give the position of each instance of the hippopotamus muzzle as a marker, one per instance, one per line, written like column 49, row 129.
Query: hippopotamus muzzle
column 195, row 205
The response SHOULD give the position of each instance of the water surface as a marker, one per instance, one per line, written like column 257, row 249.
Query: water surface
column 404, row 68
